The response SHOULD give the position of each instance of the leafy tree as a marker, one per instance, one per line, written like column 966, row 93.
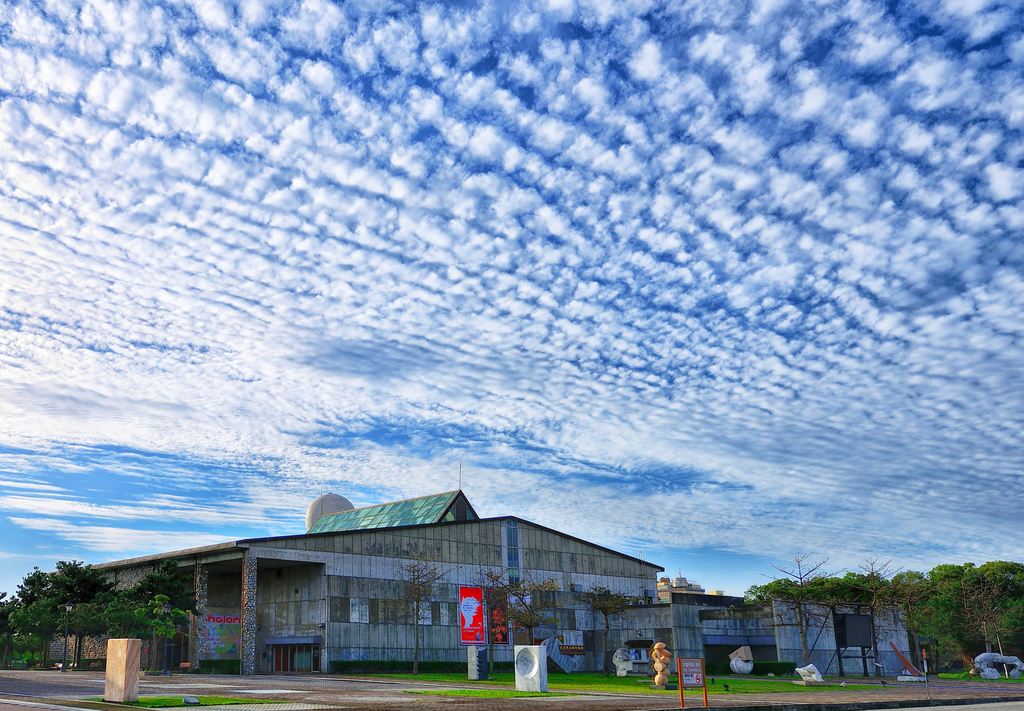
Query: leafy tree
column 7, row 607
column 420, row 576
column 606, row 602
column 160, row 616
column 527, row 599
column 911, row 590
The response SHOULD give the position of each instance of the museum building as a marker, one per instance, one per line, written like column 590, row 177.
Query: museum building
column 338, row 592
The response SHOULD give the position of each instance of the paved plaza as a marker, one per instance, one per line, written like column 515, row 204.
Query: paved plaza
column 23, row 691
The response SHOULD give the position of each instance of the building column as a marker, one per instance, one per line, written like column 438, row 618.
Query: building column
column 247, row 644
column 201, row 581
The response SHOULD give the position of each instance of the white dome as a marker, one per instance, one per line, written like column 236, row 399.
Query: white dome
column 326, row 504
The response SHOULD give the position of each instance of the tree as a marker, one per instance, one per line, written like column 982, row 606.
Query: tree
column 875, row 592
column 527, row 599
column 797, row 591
column 910, row 590
column 7, row 607
column 420, row 576
column 160, row 616
column 607, row 603
column 79, row 584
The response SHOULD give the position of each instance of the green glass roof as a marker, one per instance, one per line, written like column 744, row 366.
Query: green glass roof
column 410, row 512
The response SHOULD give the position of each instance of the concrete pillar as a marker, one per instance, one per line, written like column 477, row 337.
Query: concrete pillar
column 201, row 581
column 247, row 645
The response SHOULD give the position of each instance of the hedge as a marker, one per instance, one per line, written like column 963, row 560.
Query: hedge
column 391, row 666
column 219, row 666
column 776, row 668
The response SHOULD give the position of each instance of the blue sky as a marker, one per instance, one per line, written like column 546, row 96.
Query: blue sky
column 716, row 282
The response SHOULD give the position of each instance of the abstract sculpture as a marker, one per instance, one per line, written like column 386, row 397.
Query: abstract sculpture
column 809, row 674
column 984, row 664
column 661, row 659
column 741, row 660
column 622, row 661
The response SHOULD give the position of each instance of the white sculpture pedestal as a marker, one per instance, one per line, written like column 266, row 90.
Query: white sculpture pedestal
column 531, row 663
column 122, row 678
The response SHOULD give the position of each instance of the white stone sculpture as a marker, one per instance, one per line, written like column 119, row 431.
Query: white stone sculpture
column 622, row 661
column 531, row 663
column 741, row 660
column 809, row 674
column 986, row 661
column 741, row 666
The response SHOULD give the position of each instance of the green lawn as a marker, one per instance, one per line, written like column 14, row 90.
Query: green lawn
column 632, row 685
column 484, row 693
column 166, row 702
column 964, row 676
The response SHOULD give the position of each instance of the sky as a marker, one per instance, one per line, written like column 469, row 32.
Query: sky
column 714, row 283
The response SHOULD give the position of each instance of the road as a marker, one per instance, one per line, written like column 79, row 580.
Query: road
column 41, row 690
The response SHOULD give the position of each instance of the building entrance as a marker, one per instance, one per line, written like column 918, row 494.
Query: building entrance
column 295, row 657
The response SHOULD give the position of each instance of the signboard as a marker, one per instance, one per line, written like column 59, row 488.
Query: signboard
column 693, row 672
column 472, row 627
column 497, row 618
column 222, row 632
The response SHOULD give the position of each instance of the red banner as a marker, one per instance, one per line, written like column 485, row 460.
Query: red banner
column 498, row 631
column 471, row 616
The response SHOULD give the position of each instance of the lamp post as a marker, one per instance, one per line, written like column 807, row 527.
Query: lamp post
column 64, row 660
column 167, row 611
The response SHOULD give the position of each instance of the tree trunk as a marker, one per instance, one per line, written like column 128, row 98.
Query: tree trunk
column 874, row 643
column 801, row 622
column 607, row 656
column 416, row 638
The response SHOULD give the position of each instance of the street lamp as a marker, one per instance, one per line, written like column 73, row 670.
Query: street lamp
column 167, row 611
column 67, row 613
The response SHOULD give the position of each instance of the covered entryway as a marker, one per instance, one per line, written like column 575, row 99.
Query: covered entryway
column 294, row 654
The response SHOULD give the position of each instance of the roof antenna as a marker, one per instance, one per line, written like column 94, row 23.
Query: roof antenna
column 460, row 475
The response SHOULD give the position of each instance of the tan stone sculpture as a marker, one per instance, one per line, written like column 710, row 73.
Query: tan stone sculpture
column 661, row 660
column 121, row 683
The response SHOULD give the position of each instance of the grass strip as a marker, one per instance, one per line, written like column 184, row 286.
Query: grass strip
column 485, row 693
column 170, row 702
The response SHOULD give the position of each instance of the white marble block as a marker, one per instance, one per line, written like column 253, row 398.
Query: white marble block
column 531, row 664
column 122, row 679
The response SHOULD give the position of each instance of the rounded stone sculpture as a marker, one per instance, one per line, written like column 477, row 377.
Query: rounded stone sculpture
column 661, row 660
column 986, row 661
column 326, row 504
column 741, row 666
column 622, row 661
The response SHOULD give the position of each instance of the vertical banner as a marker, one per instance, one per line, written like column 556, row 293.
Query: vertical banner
column 471, row 616
column 498, row 631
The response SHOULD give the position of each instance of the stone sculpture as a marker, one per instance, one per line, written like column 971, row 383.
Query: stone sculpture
column 661, row 660
column 986, row 661
column 741, row 660
column 809, row 675
column 531, row 665
column 121, row 681
column 622, row 661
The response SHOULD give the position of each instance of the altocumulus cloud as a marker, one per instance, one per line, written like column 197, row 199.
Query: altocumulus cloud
column 754, row 267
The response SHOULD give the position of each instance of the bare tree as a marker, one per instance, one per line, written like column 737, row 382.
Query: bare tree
column 420, row 576
column 527, row 599
column 608, row 603
column 795, row 591
column 876, row 592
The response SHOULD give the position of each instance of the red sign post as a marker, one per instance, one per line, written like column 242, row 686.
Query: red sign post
column 691, row 672
column 472, row 628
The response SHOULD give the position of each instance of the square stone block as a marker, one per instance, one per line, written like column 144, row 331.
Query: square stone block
column 531, row 664
column 123, row 664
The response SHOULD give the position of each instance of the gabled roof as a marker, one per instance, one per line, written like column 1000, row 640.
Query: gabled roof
column 435, row 508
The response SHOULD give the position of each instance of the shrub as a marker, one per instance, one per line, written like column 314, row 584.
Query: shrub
column 776, row 668
column 392, row 666
column 219, row 666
